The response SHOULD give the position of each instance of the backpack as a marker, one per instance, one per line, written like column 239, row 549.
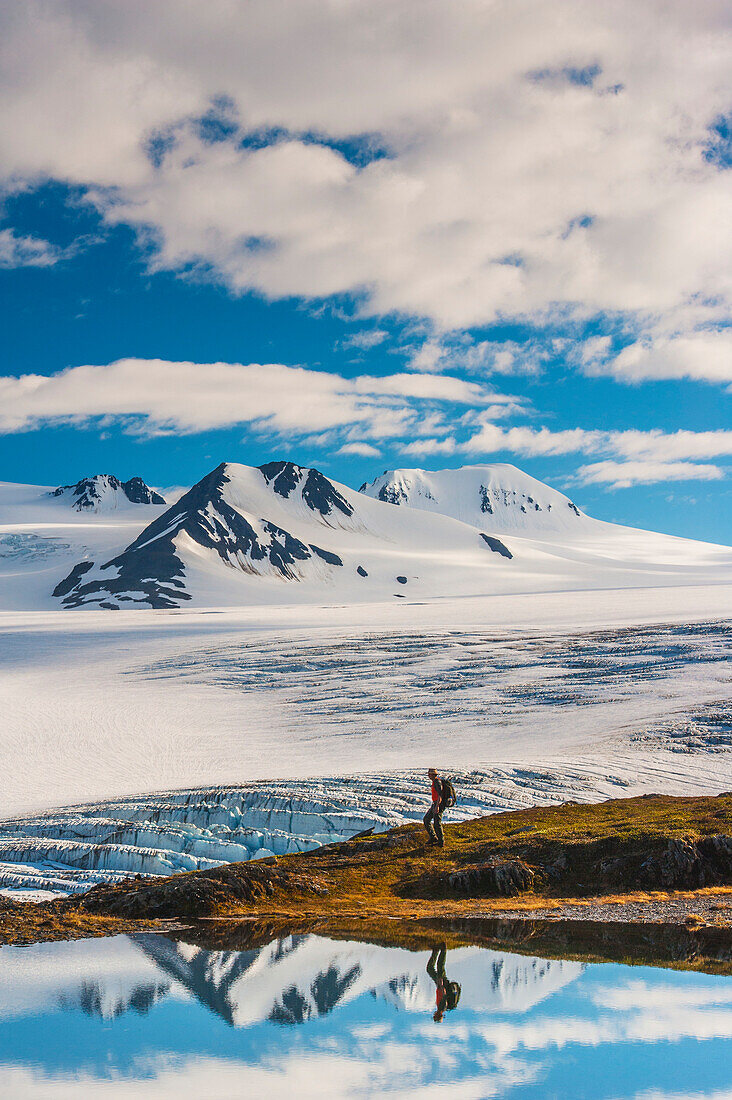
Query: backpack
column 449, row 797
column 452, row 991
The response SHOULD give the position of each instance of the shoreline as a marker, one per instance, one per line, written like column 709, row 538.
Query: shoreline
column 636, row 872
column 682, row 931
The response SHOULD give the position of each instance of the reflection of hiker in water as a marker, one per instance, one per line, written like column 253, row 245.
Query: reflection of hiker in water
column 448, row 993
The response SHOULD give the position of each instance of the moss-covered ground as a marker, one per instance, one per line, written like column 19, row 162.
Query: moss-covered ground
column 574, row 853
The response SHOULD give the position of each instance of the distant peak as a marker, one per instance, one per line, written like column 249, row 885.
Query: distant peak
column 498, row 494
column 94, row 494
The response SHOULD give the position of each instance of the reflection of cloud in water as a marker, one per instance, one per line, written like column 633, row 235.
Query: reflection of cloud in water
column 363, row 1016
column 313, row 1075
column 642, row 996
column 103, row 977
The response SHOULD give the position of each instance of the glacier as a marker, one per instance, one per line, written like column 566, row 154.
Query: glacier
column 69, row 850
column 288, row 701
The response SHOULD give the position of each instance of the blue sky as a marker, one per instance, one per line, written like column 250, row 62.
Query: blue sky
column 365, row 240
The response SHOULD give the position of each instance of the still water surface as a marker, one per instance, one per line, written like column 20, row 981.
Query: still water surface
column 146, row 1016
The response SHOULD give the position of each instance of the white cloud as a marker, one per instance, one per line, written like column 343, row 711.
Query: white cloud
column 653, row 445
column 365, row 338
column 429, row 356
column 364, row 449
column 704, row 355
column 154, row 395
column 667, row 446
column 623, row 475
column 533, row 441
column 421, row 414
column 511, row 188
column 460, row 352
column 636, row 457
column 25, row 251
column 431, row 447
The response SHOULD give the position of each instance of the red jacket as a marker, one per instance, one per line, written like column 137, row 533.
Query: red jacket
column 436, row 790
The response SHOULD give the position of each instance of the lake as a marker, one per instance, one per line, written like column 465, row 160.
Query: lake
column 306, row 1016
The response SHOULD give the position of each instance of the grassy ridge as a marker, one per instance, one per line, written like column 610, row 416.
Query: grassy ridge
column 651, row 842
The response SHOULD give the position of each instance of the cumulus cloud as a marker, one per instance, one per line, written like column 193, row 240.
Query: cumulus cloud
column 460, row 161
column 420, row 414
column 460, row 352
column 446, row 446
column 533, row 441
column 665, row 446
column 365, row 450
column 704, row 355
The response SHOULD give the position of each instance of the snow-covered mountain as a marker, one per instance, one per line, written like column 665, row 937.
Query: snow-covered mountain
column 281, row 533
column 105, row 492
column 498, row 497
column 280, row 522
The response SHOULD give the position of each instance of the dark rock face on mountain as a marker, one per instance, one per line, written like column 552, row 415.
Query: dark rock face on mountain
column 485, row 501
column 137, row 492
column 151, row 571
column 497, row 546
column 317, row 491
column 326, row 555
column 94, row 494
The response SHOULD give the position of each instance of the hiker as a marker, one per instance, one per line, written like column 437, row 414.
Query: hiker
column 443, row 796
column 448, row 993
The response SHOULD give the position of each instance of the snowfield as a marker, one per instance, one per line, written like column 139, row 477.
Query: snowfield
column 591, row 663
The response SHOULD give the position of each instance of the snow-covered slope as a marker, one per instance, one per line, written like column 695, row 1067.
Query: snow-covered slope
column 42, row 535
column 498, row 497
column 282, row 523
column 105, row 492
column 280, row 533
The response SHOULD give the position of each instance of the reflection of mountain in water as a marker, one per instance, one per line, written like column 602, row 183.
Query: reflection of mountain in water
column 94, row 999
column 326, row 991
column 288, row 981
column 213, row 976
column 299, row 978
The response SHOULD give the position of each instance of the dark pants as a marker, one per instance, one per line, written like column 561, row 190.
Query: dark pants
column 433, row 823
column 436, row 964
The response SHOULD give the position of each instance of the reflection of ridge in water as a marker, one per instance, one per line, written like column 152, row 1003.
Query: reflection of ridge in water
column 93, row 999
column 325, row 993
column 210, row 975
column 300, row 978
